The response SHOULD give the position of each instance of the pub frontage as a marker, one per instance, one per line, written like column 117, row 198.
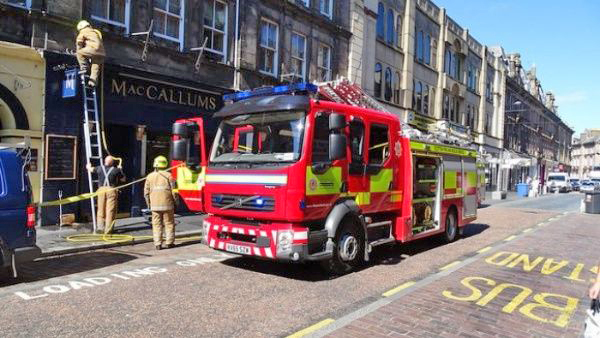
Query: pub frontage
column 138, row 109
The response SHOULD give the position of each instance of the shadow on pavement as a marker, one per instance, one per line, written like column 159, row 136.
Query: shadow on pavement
column 385, row 255
column 66, row 265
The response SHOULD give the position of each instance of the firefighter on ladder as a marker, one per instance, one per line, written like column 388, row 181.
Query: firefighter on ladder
column 160, row 195
column 108, row 177
column 90, row 49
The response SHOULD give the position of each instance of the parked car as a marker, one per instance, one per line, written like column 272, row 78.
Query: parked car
column 575, row 184
column 17, row 213
column 589, row 186
column 558, row 182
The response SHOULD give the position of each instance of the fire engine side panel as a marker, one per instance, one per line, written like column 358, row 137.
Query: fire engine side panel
column 469, row 187
column 403, row 224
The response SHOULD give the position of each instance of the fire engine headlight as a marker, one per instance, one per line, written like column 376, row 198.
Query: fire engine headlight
column 205, row 228
column 284, row 240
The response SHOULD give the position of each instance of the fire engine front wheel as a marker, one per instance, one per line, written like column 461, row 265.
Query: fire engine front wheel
column 349, row 248
column 451, row 232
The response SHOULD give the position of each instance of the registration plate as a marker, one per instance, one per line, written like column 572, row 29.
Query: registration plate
column 239, row 249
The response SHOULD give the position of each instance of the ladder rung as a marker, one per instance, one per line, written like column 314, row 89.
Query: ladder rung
column 95, row 157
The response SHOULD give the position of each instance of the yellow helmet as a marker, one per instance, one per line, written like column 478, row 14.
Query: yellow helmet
column 82, row 24
column 160, row 162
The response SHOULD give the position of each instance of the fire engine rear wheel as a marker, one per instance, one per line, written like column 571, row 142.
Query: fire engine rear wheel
column 451, row 232
column 349, row 248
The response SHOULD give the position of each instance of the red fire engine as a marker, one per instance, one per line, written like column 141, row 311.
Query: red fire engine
column 293, row 175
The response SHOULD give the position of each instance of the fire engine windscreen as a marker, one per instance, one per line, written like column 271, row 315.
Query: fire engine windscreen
column 263, row 138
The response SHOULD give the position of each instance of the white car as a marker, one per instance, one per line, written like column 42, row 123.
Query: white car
column 589, row 186
column 558, row 182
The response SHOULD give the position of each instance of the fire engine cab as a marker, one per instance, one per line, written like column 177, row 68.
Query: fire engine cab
column 293, row 175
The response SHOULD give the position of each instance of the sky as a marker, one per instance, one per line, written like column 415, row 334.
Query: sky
column 561, row 38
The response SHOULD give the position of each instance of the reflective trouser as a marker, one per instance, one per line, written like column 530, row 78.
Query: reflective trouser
column 107, row 208
column 83, row 56
column 163, row 220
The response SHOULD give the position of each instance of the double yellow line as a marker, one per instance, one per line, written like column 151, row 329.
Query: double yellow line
column 86, row 196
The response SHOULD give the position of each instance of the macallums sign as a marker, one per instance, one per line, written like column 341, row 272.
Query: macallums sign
column 130, row 86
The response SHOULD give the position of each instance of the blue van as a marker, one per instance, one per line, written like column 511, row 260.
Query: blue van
column 17, row 213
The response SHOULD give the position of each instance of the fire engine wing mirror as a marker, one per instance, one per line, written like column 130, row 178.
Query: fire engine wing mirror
column 179, row 150
column 182, row 130
column 337, row 121
column 337, row 146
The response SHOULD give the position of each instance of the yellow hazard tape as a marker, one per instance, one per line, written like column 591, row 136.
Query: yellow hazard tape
column 110, row 238
column 86, row 196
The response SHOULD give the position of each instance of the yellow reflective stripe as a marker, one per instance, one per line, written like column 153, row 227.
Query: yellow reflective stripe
column 247, row 179
column 188, row 179
column 396, row 196
column 363, row 198
column 471, row 179
column 381, row 181
column 328, row 183
column 449, row 179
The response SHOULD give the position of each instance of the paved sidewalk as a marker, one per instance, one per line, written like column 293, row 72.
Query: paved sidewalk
column 533, row 284
column 55, row 241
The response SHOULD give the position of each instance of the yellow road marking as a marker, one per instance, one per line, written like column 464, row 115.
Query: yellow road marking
column 450, row 265
column 486, row 249
column 312, row 328
column 527, row 230
column 398, row 289
column 510, row 238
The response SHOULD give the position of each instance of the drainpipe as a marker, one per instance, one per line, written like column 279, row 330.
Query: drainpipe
column 236, row 58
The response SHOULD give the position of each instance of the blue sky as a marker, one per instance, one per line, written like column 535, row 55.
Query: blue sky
column 562, row 38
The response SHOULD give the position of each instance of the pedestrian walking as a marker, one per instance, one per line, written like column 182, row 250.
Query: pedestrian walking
column 160, row 195
column 109, row 176
column 90, row 50
column 535, row 187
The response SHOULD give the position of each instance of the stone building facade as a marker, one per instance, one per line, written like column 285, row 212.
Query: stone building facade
column 430, row 71
column 537, row 140
column 585, row 154
column 197, row 50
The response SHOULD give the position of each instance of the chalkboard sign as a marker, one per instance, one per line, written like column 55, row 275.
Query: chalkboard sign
column 61, row 157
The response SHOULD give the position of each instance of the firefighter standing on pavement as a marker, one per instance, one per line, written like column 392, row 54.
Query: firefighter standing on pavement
column 108, row 177
column 89, row 48
column 160, row 195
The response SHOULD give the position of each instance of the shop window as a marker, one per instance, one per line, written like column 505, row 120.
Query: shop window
column 399, row 31
column 113, row 12
column 268, row 50
column 390, row 27
column 397, row 88
column 378, row 144
column 326, row 8
column 215, row 27
column 378, row 71
column 419, row 91
column 298, row 55
column 320, row 151
column 380, row 21
column 324, row 63
column 168, row 20
column 20, row 3
column 426, row 100
column 357, row 144
column 428, row 49
column 388, row 84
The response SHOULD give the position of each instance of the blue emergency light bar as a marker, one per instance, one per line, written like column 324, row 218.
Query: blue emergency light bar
column 277, row 90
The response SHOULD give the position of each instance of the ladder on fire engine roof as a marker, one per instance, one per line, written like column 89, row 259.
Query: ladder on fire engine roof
column 344, row 91
column 92, row 137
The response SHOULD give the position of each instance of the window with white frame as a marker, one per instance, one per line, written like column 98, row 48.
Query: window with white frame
column 324, row 63
column 298, row 55
column 326, row 8
column 168, row 20
column 215, row 27
column 268, row 52
column 114, row 12
column 20, row 3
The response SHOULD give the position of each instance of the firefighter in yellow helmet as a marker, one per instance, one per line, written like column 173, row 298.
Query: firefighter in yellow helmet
column 90, row 49
column 160, row 195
